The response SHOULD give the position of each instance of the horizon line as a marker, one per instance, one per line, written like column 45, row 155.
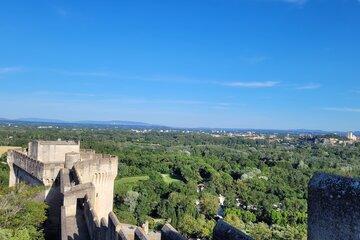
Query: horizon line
column 142, row 123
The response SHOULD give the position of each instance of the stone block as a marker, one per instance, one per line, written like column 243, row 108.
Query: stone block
column 333, row 208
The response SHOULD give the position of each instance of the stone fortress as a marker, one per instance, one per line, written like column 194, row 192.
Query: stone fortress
column 79, row 184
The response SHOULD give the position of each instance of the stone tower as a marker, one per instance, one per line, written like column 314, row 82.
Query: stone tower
column 71, row 177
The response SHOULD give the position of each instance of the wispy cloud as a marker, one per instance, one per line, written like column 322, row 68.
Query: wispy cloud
column 309, row 86
column 10, row 69
column 109, row 74
column 59, row 93
column 131, row 100
column 266, row 84
column 342, row 109
column 85, row 73
column 254, row 59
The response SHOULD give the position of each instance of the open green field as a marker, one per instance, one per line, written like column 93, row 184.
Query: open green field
column 168, row 179
column 4, row 149
column 134, row 180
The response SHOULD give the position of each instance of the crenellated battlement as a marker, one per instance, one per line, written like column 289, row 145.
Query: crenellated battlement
column 30, row 165
column 44, row 172
column 69, row 174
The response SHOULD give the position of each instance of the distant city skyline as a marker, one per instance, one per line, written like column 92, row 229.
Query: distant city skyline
column 264, row 64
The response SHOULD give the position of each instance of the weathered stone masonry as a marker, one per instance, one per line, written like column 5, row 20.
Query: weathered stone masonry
column 333, row 207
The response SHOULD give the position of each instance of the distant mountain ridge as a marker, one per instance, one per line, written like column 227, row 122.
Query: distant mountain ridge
column 136, row 124
column 115, row 122
column 92, row 122
column 38, row 120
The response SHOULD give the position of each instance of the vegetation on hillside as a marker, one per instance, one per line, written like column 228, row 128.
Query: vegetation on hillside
column 21, row 215
column 178, row 177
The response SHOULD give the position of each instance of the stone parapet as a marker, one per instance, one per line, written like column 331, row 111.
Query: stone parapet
column 114, row 227
column 89, row 154
column 91, row 219
column 89, row 168
column 223, row 231
column 122, row 236
column 140, row 234
column 64, row 235
column 101, row 171
column 170, row 233
column 44, row 172
column 65, row 184
column 31, row 166
column 109, row 229
column 51, row 151
column 333, row 207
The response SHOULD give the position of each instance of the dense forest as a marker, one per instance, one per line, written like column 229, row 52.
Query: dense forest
column 179, row 178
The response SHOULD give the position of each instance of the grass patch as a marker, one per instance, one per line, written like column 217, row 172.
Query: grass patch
column 168, row 179
column 4, row 149
column 125, row 184
column 130, row 180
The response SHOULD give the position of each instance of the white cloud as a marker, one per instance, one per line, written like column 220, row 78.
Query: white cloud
column 9, row 69
column 343, row 109
column 267, row 84
column 309, row 86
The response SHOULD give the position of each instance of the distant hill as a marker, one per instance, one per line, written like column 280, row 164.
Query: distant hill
column 115, row 122
column 39, row 120
column 85, row 122
column 141, row 125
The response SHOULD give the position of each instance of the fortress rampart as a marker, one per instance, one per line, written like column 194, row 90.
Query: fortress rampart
column 79, row 187
column 31, row 166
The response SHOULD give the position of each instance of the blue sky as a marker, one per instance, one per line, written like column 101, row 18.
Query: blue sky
column 275, row 64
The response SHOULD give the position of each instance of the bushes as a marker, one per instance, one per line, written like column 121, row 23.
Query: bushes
column 21, row 216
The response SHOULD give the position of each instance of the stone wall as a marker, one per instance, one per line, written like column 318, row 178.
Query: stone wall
column 106, row 229
column 114, row 227
column 223, row 231
column 101, row 171
column 52, row 151
column 91, row 219
column 19, row 175
column 170, row 233
column 333, row 208
column 140, row 234
column 46, row 173
column 29, row 165
column 64, row 235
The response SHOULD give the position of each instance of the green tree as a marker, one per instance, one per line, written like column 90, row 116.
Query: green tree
column 131, row 200
column 20, row 214
column 209, row 205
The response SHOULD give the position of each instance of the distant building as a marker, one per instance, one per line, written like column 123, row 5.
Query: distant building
column 351, row 136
